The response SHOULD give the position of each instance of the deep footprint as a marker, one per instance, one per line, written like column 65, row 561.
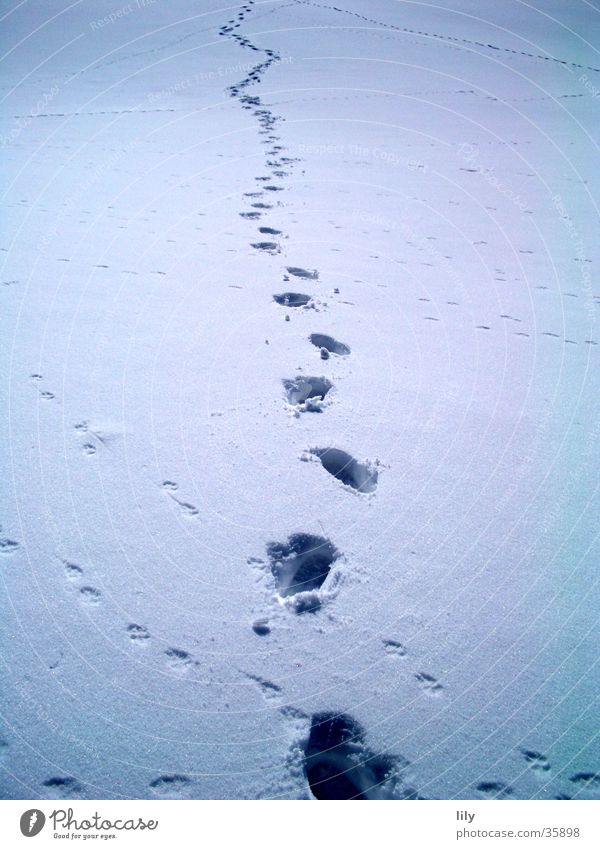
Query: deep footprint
column 268, row 247
column 337, row 764
column 321, row 340
column 360, row 476
column 300, row 567
column 302, row 272
column 307, row 393
column 292, row 299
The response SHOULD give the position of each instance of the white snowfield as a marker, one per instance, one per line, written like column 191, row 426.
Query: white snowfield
column 300, row 318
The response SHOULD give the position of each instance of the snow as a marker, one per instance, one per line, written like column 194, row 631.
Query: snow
column 434, row 202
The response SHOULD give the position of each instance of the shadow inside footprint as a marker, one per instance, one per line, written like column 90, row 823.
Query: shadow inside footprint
column 302, row 272
column 360, row 476
column 63, row 788
column 337, row 764
column 268, row 247
column 292, row 299
column 321, row 340
column 307, row 393
column 300, row 566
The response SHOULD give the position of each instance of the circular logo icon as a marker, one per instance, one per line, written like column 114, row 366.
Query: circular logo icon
column 32, row 822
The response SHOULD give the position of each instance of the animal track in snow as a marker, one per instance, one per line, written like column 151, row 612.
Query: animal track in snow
column 302, row 272
column 185, row 507
column 300, row 567
column 360, row 476
column 63, row 788
column 394, row 648
column 170, row 786
column 8, row 546
column 321, row 340
column 292, row 299
column 261, row 627
column 536, row 760
column 495, row 790
column 170, row 487
column 429, row 684
column 74, row 572
column 269, row 231
column 586, row 780
column 90, row 595
column 338, row 765
column 138, row 634
column 307, row 393
column 178, row 660
column 267, row 688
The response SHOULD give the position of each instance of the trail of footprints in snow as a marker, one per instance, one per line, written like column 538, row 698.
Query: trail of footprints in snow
column 304, row 570
column 75, row 575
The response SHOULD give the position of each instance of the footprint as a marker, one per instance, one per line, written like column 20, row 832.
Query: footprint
column 250, row 215
column 269, row 247
column 394, row 648
column 536, row 760
column 178, row 660
column 302, row 272
column 74, row 572
column 360, row 476
column 170, row 487
column 495, row 790
column 185, row 507
column 300, row 567
column 292, row 299
column 170, row 786
column 320, row 340
column 261, row 627
column 429, row 684
column 307, row 393
column 63, row 788
column 338, row 765
column 89, row 595
column 587, row 781
column 138, row 634
column 267, row 688
column 47, row 396
column 269, row 231
column 8, row 546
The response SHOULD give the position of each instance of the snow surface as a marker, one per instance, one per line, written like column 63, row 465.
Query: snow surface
column 437, row 169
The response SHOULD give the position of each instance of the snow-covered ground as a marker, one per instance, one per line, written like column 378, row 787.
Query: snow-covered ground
column 425, row 174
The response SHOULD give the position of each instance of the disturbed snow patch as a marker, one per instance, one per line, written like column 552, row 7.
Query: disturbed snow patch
column 300, row 567
column 360, row 476
column 307, row 394
column 331, row 345
column 302, row 272
column 292, row 299
column 338, row 765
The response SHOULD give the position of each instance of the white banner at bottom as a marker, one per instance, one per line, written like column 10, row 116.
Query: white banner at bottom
column 298, row 825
